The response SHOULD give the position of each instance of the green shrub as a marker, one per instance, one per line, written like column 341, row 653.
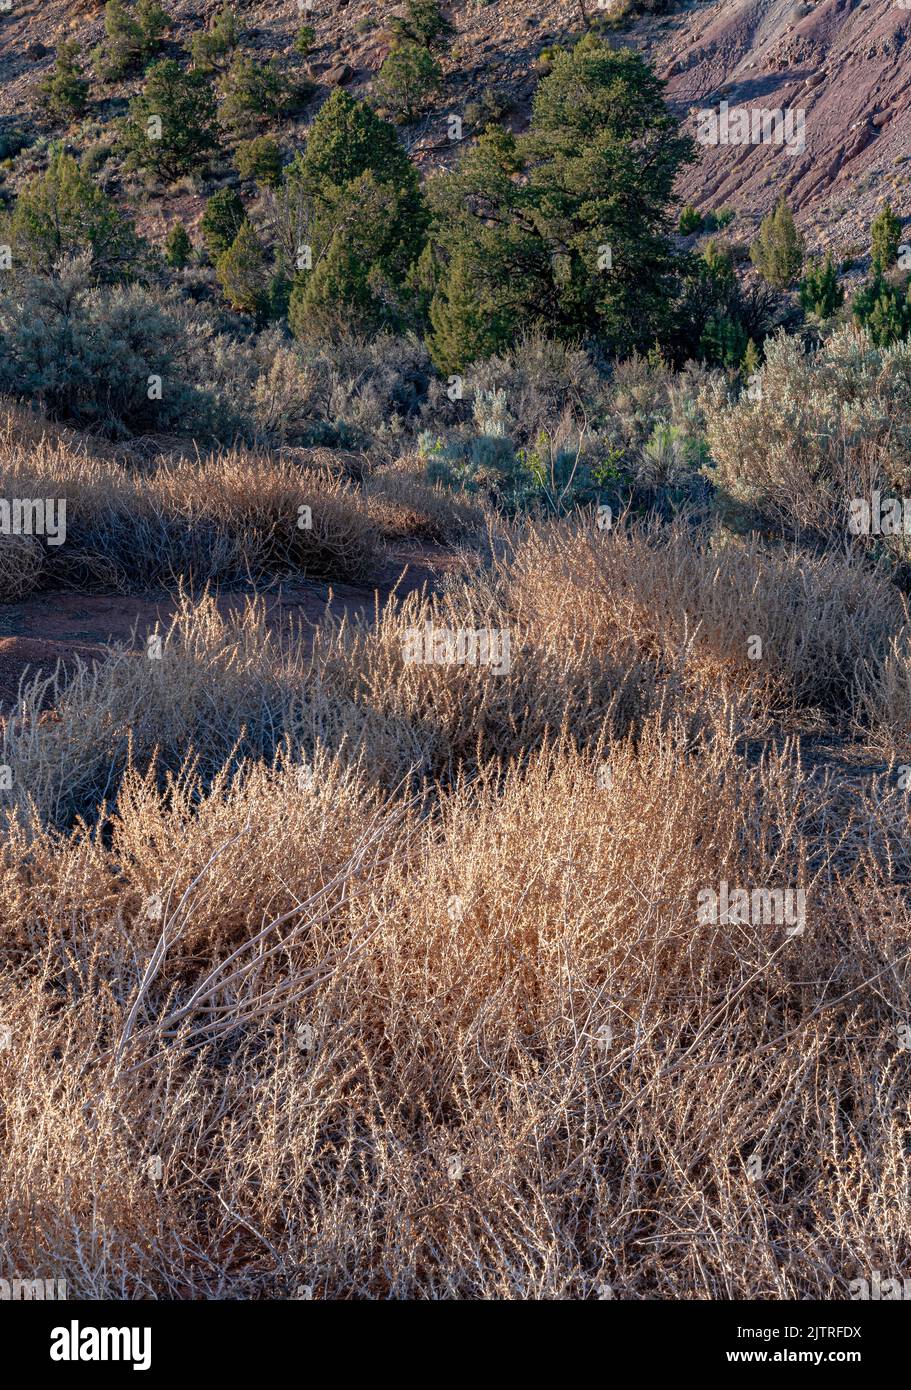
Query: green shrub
column 407, row 80
column 260, row 159
column 423, row 23
column 207, row 49
column 62, row 212
column 107, row 357
column 178, row 247
column 222, row 219
column 820, row 292
column 885, row 236
column 690, row 221
column 63, row 94
column 171, row 127
column 777, row 252
column 252, row 94
column 883, row 309
column 242, row 272
column 304, row 39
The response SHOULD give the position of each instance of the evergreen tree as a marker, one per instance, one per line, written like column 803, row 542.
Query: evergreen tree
column 407, row 80
column 222, row 219
column 242, row 272
column 567, row 227
column 777, row 252
column 885, row 235
column 129, row 39
column 883, row 310
column 366, row 220
column 64, row 92
column 423, row 23
column 820, row 292
column 260, row 159
column 252, row 94
column 304, row 39
column 171, row 124
column 62, row 212
column 209, row 47
column 178, row 247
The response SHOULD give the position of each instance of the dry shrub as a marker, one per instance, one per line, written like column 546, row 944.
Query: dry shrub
column 825, row 427
column 692, row 600
column 403, row 503
column 21, row 563
column 481, row 1050
column 226, row 516
column 885, row 703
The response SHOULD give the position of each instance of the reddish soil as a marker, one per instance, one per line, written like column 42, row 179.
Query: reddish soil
column 53, row 627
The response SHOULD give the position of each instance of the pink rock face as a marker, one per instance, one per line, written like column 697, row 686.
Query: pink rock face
column 846, row 68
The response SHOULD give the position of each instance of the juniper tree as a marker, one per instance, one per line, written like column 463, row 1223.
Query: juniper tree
column 361, row 213
column 408, row 78
column 171, row 125
column 63, row 213
column 423, row 23
column 64, row 92
column 566, row 227
column 222, row 219
column 885, row 235
column 242, row 272
column 178, row 247
column 777, row 252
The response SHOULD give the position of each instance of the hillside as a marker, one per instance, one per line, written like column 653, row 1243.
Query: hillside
column 844, row 63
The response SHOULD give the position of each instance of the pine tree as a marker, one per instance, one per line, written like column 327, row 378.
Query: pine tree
column 885, row 235
column 883, row 310
column 222, row 219
column 64, row 93
column 242, row 272
column 171, row 124
column 178, row 247
column 122, row 43
column 820, row 292
column 777, row 252
column 408, row 78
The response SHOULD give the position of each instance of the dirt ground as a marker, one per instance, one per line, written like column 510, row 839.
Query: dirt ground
column 57, row 626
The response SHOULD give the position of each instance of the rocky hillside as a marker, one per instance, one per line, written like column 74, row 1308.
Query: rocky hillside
column 842, row 62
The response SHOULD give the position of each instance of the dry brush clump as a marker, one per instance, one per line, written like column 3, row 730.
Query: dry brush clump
column 816, row 430
column 404, row 503
column 476, row 1049
column 695, row 599
column 226, row 517
column 326, row 966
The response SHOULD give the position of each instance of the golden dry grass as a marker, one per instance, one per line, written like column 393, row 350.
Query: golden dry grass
column 224, row 517
column 397, row 970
